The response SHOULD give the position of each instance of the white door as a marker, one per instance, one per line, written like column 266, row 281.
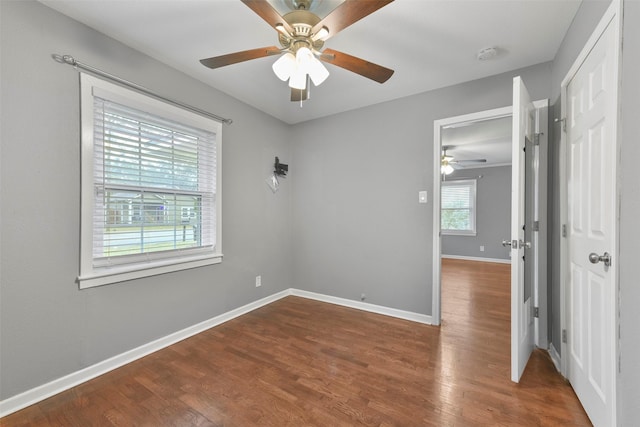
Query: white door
column 521, row 300
column 591, row 172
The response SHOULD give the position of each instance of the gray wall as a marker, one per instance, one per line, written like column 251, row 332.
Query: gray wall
column 629, row 377
column 357, row 224
column 48, row 327
column 493, row 216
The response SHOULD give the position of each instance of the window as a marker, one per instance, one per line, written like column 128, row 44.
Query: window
column 150, row 186
column 458, row 207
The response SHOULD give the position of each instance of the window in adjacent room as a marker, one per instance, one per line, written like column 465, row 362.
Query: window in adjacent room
column 458, row 207
column 150, row 186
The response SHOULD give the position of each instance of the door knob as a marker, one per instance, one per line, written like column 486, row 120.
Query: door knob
column 506, row 243
column 524, row 244
column 594, row 258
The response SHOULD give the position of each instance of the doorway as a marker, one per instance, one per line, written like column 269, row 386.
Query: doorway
column 536, row 202
column 440, row 127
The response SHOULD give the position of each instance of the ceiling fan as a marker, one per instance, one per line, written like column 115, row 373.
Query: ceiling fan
column 448, row 164
column 301, row 36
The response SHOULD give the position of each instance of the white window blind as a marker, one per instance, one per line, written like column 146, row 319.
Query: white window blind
column 154, row 187
column 458, row 199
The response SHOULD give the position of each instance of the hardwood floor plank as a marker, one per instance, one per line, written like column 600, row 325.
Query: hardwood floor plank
column 298, row 362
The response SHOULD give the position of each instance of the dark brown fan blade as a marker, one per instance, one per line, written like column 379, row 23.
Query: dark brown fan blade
column 347, row 13
column 360, row 66
column 469, row 161
column 265, row 11
column 298, row 95
column 233, row 58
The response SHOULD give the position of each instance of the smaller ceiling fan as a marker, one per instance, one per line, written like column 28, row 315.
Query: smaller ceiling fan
column 302, row 35
column 448, row 164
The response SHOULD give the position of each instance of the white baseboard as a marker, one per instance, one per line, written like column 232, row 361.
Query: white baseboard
column 364, row 306
column 555, row 358
column 473, row 258
column 37, row 394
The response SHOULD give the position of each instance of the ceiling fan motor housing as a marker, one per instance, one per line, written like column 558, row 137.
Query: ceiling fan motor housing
column 302, row 22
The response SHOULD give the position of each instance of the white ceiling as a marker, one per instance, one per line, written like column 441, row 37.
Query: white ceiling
column 486, row 139
column 429, row 43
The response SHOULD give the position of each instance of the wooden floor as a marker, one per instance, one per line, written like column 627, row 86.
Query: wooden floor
column 299, row 362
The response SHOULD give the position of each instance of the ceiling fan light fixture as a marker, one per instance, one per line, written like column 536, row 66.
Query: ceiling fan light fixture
column 317, row 72
column 304, row 58
column 298, row 79
column 322, row 34
column 284, row 66
column 446, row 168
column 280, row 28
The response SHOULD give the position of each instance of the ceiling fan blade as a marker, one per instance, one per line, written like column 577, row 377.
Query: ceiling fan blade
column 469, row 161
column 298, row 95
column 348, row 13
column 265, row 11
column 233, row 58
column 365, row 68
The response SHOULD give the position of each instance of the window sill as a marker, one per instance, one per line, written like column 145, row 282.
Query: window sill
column 459, row 233
column 121, row 273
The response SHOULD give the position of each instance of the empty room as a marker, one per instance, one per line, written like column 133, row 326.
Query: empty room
column 319, row 212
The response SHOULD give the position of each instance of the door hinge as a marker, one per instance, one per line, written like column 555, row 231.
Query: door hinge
column 564, row 230
column 536, row 312
column 564, row 336
column 536, row 225
column 536, row 138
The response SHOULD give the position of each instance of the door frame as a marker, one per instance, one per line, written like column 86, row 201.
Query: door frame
column 539, row 262
column 612, row 16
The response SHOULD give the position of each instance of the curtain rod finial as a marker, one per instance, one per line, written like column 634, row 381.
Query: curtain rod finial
column 64, row 59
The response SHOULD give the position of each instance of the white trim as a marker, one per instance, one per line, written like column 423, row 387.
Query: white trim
column 92, row 274
column 555, row 357
column 540, row 285
column 365, row 306
column 480, row 259
column 37, row 394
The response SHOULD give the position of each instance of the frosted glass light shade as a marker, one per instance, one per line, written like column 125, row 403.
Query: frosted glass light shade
column 304, row 58
column 446, row 169
column 317, row 72
column 284, row 66
column 321, row 35
column 298, row 79
column 296, row 67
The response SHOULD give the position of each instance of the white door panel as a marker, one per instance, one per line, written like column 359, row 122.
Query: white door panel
column 521, row 300
column 591, row 192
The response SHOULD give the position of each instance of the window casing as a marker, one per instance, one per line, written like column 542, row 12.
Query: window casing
column 458, row 207
column 150, row 186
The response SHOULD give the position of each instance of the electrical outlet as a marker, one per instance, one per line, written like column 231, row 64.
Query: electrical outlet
column 481, row 248
column 258, row 281
column 422, row 197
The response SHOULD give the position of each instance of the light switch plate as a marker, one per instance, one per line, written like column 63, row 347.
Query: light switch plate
column 422, row 197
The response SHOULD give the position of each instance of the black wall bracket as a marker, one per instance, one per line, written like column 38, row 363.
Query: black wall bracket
column 280, row 168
